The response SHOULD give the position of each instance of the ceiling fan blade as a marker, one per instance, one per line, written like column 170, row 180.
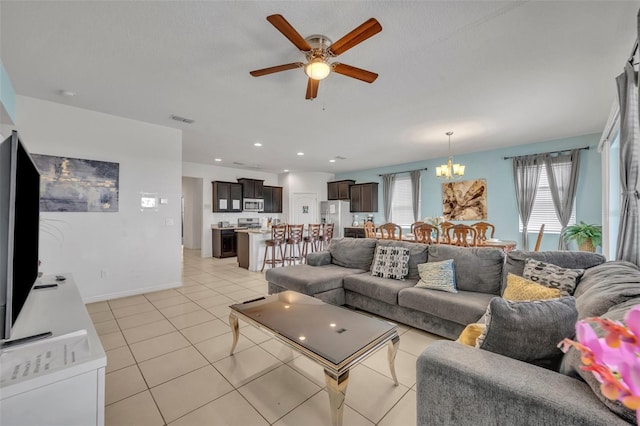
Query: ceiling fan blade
column 312, row 89
column 289, row 32
column 278, row 68
column 368, row 29
column 360, row 74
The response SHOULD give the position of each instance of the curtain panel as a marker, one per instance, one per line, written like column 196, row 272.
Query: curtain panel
column 415, row 194
column 387, row 194
column 562, row 171
column 526, row 174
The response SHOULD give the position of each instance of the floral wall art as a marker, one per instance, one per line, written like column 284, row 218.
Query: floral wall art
column 77, row 185
column 465, row 200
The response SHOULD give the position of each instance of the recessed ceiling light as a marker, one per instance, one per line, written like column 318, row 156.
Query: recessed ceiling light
column 332, row 161
column 257, row 144
column 285, row 170
column 218, row 159
column 66, row 93
column 301, row 153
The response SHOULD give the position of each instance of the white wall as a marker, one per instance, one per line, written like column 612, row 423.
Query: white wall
column 111, row 254
column 209, row 174
column 303, row 182
column 192, row 219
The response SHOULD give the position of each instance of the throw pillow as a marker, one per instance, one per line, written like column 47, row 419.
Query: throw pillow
column 552, row 276
column 470, row 334
column 519, row 289
column 391, row 262
column 529, row 331
column 438, row 276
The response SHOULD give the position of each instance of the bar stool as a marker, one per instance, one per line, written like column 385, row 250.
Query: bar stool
column 327, row 235
column 293, row 241
column 278, row 233
column 312, row 239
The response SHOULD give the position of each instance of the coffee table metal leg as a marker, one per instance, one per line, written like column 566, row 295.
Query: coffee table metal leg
column 337, row 388
column 233, row 322
column 391, row 356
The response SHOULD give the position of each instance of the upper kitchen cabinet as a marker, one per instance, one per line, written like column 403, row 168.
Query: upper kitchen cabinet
column 272, row 199
column 252, row 188
column 339, row 189
column 227, row 197
column 364, row 197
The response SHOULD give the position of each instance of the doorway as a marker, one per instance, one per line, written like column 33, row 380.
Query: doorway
column 305, row 208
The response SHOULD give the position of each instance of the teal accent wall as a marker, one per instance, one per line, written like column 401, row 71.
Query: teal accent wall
column 7, row 94
column 502, row 209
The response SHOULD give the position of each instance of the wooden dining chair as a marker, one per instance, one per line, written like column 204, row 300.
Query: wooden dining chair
column 278, row 236
column 462, row 236
column 326, row 236
column 312, row 239
column 414, row 225
column 426, row 234
column 482, row 228
column 369, row 230
column 390, row 231
column 292, row 248
column 539, row 240
column 444, row 228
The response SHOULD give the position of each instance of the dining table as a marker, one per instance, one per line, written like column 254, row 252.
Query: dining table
column 505, row 245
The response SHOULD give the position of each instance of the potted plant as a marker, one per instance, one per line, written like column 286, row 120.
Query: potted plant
column 587, row 236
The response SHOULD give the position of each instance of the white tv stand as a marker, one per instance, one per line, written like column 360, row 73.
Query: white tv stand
column 71, row 394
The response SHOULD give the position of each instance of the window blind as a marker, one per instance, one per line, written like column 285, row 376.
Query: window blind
column 543, row 210
column 401, row 205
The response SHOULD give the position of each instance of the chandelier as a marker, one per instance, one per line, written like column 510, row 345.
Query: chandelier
column 450, row 171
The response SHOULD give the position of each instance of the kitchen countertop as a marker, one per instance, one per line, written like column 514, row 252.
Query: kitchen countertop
column 254, row 230
column 229, row 227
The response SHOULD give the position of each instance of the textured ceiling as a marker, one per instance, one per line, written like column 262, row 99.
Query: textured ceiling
column 496, row 73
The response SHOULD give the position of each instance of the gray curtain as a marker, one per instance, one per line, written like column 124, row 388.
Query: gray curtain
column 387, row 194
column 526, row 174
column 562, row 171
column 415, row 194
column 629, row 232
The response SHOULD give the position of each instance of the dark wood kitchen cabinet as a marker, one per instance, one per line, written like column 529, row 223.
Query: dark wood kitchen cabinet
column 252, row 188
column 227, row 197
column 339, row 189
column 364, row 197
column 272, row 199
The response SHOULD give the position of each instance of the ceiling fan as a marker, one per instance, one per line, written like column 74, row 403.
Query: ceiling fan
column 318, row 49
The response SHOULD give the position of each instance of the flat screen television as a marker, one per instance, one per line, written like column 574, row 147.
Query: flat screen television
column 19, row 229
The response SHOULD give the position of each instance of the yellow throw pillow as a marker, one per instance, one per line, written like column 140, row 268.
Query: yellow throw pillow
column 470, row 334
column 519, row 289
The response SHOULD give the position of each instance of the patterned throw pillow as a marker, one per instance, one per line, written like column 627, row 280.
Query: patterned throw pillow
column 470, row 334
column 390, row 262
column 552, row 276
column 437, row 276
column 519, row 288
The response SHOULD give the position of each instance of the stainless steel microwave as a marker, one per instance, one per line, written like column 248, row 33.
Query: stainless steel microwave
column 252, row 205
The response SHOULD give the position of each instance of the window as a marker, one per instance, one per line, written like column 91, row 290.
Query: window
column 543, row 210
column 401, row 204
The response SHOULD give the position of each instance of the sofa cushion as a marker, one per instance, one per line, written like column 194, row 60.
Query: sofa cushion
column 566, row 259
column 529, row 331
column 390, row 262
column 520, row 289
column 464, row 307
column 438, row 276
column 477, row 269
column 382, row 289
column 417, row 254
column 310, row 279
column 605, row 286
column 354, row 253
column 552, row 276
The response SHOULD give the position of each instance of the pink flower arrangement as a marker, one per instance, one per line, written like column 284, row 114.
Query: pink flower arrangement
column 613, row 359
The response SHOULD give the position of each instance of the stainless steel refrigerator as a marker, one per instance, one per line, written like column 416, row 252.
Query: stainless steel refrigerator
column 336, row 212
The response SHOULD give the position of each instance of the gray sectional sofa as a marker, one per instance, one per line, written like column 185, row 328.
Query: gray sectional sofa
column 341, row 276
column 462, row 385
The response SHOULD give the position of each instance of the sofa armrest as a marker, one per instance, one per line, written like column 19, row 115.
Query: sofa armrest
column 462, row 385
column 319, row 258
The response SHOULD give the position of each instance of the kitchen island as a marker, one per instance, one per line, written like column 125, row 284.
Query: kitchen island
column 251, row 247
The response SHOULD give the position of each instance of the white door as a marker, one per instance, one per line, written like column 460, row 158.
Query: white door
column 305, row 208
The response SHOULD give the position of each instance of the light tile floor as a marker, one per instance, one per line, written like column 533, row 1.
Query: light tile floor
column 168, row 361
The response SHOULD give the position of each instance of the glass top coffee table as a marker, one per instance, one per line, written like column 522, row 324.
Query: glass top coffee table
column 334, row 337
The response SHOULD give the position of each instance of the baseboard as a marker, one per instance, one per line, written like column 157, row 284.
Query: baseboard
column 133, row 292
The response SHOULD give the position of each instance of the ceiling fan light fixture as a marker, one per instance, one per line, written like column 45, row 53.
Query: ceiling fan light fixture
column 317, row 69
